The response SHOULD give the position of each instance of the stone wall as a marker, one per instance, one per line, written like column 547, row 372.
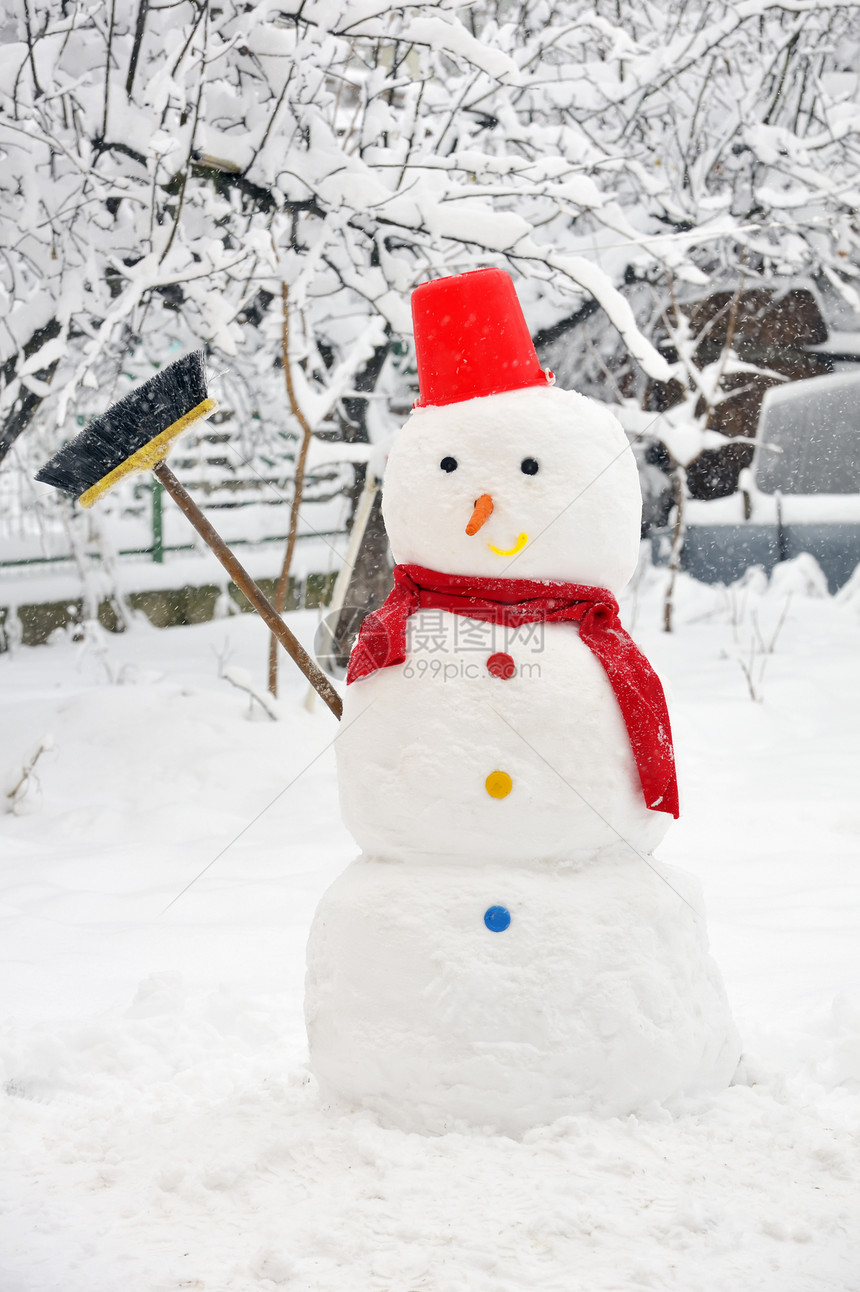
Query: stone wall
column 163, row 607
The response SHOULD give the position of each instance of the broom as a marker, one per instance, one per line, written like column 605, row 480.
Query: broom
column 136, row 434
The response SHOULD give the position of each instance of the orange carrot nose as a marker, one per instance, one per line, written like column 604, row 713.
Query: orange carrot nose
column 482, row 513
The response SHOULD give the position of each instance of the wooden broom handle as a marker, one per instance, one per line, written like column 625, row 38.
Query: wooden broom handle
column 243, row 580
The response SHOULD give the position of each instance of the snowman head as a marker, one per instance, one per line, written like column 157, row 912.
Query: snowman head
column 497, row 473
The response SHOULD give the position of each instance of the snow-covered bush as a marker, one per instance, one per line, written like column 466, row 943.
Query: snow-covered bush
column 168, row 170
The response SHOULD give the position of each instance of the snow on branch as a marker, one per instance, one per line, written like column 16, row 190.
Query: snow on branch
column 166, row 167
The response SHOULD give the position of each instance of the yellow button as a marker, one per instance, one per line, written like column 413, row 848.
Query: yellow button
column 499, row 785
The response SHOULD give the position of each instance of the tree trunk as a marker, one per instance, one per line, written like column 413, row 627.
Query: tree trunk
column 280, row 599
column 679, row 480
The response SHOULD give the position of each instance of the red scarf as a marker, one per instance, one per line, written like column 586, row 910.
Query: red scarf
column 513, row 602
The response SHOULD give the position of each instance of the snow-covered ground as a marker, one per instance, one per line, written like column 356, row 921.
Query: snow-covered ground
column 159, row 1126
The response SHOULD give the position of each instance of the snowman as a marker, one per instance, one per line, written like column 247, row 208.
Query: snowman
column 506, row 950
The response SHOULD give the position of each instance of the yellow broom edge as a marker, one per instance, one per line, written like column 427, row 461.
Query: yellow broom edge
column 146, row 457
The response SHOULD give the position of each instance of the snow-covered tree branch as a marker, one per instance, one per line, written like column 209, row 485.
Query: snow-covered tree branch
column 167, row 167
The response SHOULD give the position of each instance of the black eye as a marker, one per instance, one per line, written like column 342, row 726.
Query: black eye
column 448, row 464
column 529, row 466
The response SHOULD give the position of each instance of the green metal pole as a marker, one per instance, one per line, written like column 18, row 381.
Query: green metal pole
column 157, row 522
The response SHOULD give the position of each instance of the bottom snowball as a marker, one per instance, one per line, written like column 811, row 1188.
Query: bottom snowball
column 593, row 992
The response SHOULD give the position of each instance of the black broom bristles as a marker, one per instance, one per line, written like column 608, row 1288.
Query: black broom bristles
column 128, row 425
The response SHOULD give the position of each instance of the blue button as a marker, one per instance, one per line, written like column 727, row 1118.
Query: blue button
column 497, row 919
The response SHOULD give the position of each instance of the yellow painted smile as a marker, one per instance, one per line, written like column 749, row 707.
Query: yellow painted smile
column 511, row 551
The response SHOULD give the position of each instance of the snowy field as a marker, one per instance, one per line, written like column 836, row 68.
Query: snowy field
column 160, row 1129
